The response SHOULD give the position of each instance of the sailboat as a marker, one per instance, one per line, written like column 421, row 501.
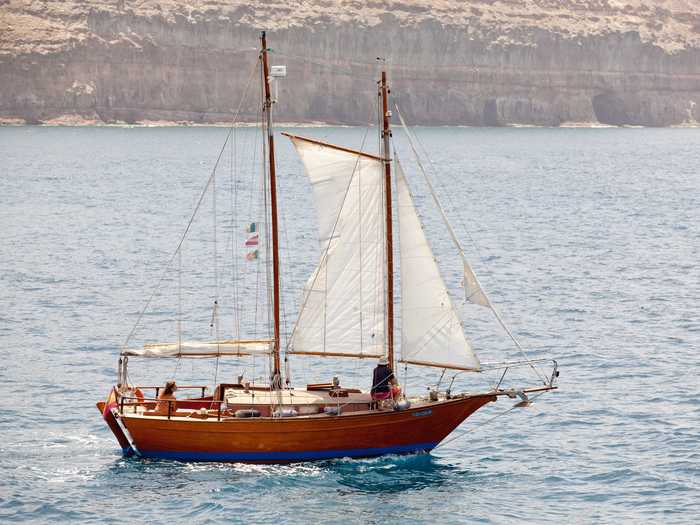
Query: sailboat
column 364, row 206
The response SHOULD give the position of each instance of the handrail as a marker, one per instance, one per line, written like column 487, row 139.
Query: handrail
column 178, row 386
column 140, row 401
column 136, row 401
column 157, row 388
column 506, row 366
column 514, row 364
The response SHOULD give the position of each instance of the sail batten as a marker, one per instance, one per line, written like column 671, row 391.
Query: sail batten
column 342, row 312
column 432, row 333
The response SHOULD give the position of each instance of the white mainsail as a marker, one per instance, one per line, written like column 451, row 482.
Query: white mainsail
column 343, row 309
column 431, row 331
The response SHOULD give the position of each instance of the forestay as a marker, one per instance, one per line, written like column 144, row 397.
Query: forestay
column 343, row 308
column 431, row 331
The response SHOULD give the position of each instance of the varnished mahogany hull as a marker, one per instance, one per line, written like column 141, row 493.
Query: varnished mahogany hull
column 279, row 440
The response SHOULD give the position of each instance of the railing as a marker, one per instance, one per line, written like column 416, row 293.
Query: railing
column 134, row 401
column 548, row 382
column 548, row 379
column 179, row 387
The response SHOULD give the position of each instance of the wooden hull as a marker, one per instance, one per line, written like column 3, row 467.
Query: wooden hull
column 279, row 440
column 108, row 409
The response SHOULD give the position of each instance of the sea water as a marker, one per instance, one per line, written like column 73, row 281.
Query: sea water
column 587, row 240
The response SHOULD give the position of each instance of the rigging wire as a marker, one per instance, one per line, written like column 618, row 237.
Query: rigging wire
column 267, row 228
column 309, row 287
column 215, row 312
column 326, row 250
column 433, row 193
column 483, row 424
column 191, row 220
column 383, row 231
column 263, row 289
column 286, row 278
column 401, row 283
column 179, row 313
column 253, row 206
column 233, row 225
column 179, row 301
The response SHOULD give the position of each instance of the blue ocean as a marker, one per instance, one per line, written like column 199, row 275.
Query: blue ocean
column 587, row 240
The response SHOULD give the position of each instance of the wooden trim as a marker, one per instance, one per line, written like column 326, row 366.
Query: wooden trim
column 332, row 146
column 337, row 354
column 438, row 365
column 540, row 389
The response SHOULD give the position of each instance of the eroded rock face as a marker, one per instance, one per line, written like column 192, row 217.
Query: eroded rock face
column 481, row 62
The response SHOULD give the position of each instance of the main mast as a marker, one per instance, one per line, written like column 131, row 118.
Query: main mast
column 386, row 135
column 275, row 380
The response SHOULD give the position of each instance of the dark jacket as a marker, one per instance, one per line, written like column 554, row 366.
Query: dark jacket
column 381, row 382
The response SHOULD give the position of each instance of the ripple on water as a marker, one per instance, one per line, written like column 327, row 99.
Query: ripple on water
column 584, row 239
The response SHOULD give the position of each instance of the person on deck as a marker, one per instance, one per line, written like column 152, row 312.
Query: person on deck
column 384, row 384
column 167, row 397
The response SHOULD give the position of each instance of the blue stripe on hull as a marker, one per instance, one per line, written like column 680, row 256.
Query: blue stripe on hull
column 287, row 456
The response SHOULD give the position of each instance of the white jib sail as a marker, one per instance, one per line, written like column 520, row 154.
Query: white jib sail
column 473, row 291
column 431, row 331
column 343, row 308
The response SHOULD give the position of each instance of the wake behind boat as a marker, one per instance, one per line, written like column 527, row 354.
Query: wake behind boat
column 366, row 217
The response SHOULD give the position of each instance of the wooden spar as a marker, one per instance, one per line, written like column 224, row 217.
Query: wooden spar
column 332, row 146
column 338, row 354
column 276, row 380
column 440, row 365
column 386, row 135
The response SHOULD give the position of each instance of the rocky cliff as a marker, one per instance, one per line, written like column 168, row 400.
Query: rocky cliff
column 477, row 62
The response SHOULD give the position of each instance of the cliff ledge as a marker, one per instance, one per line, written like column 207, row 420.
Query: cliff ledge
column 474, row 62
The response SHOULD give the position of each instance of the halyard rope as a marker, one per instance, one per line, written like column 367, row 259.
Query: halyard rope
column 194, row 213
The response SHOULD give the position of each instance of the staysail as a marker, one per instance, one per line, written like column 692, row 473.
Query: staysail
column 343, row 308
column 431, row 332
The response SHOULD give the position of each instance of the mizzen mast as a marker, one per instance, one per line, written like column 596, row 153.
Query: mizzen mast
column 386, row 157
column 276, row 381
